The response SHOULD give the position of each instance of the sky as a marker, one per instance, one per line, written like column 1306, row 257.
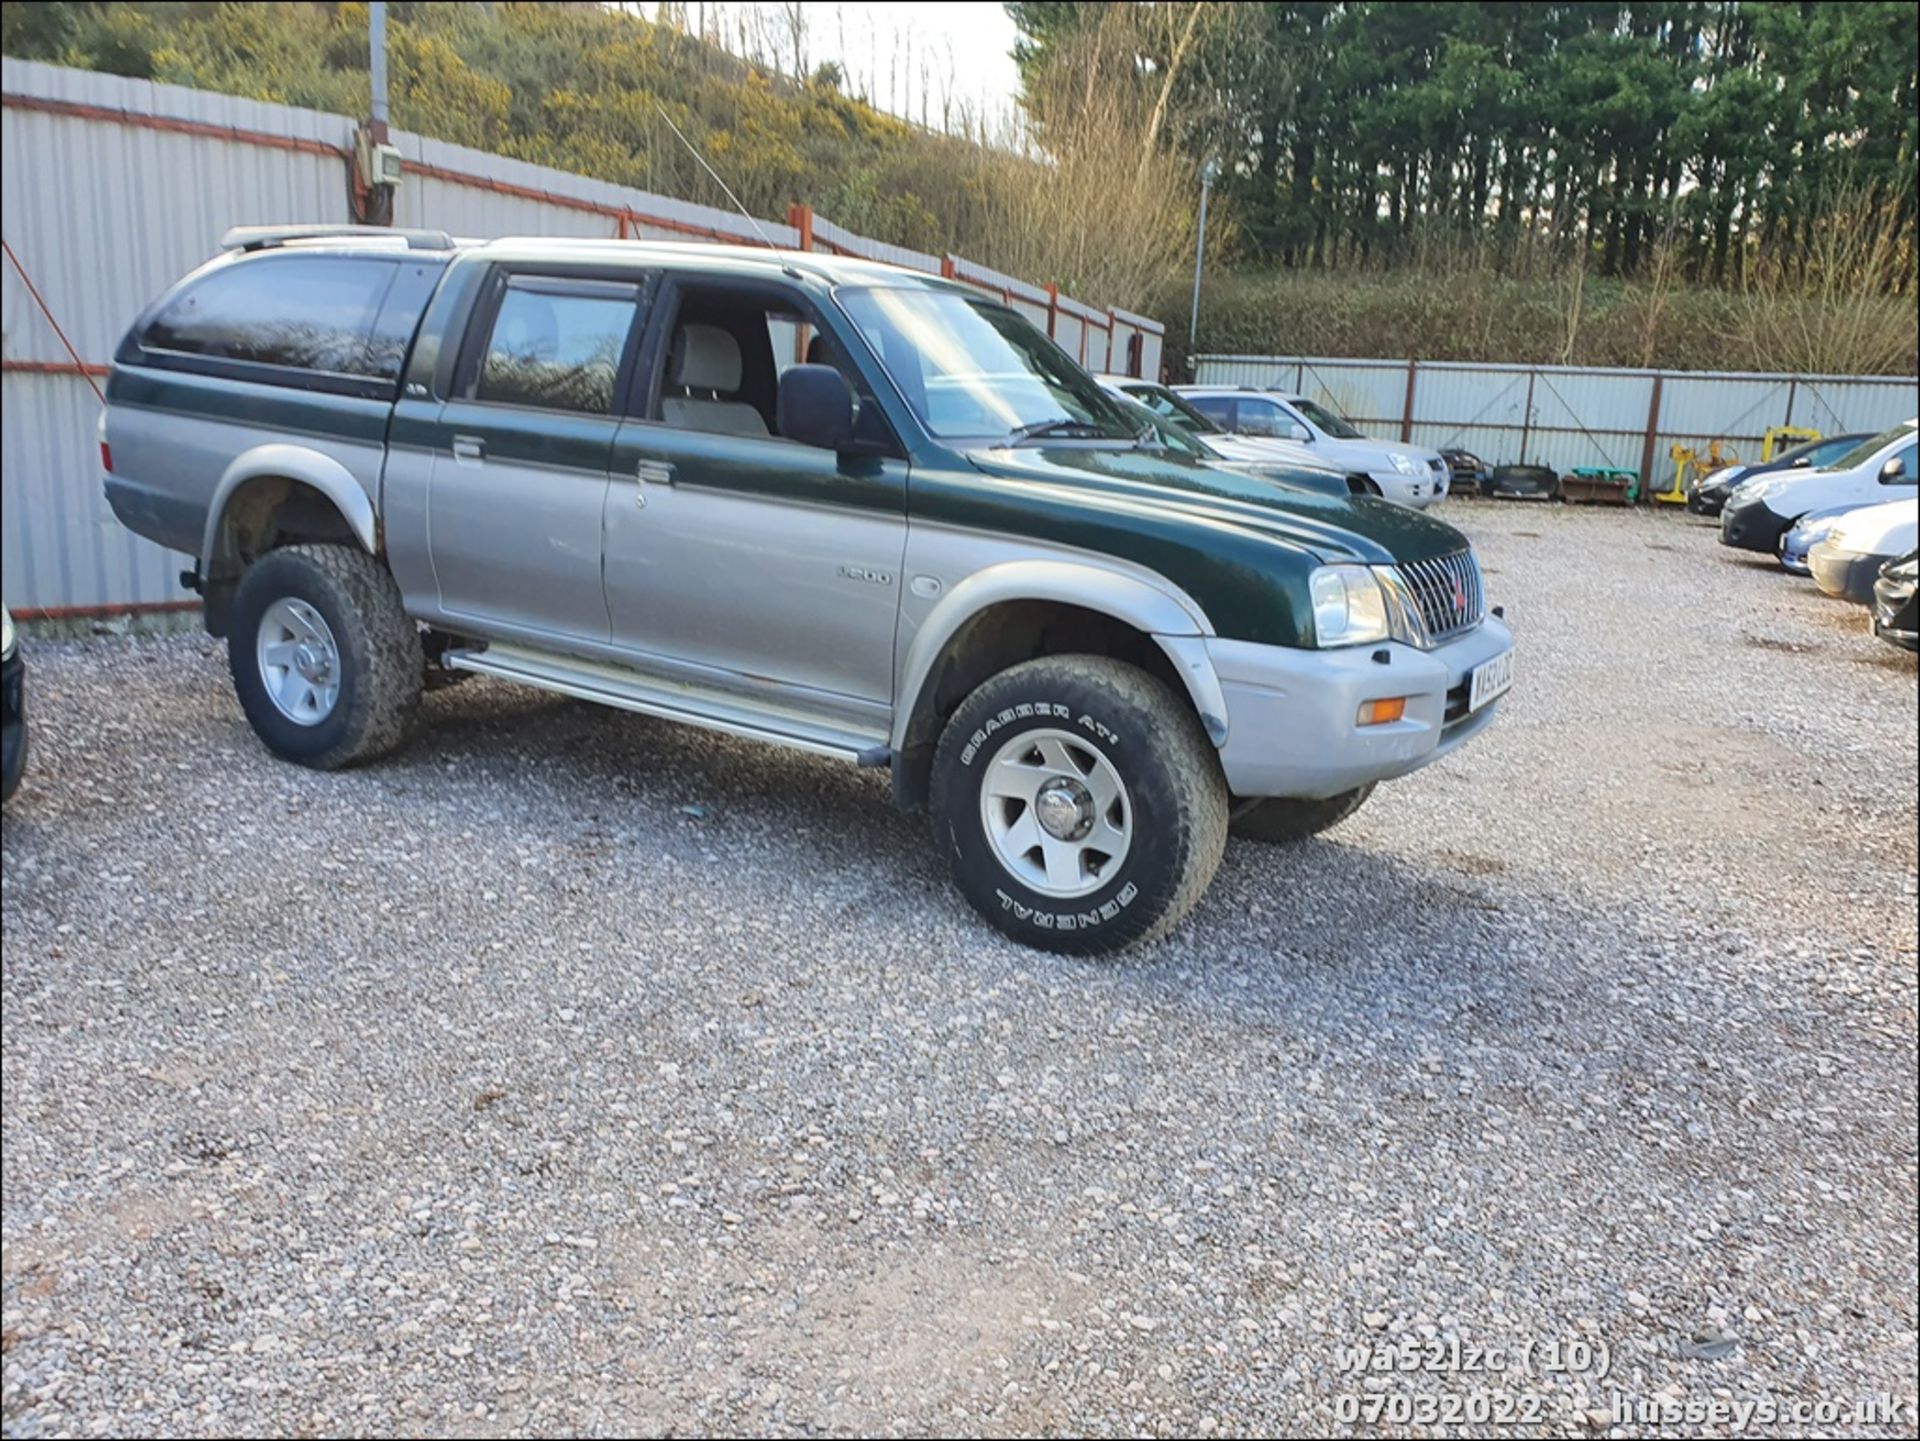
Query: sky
column 906, row 57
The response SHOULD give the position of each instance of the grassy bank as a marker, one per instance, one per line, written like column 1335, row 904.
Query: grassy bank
column 1478, row 315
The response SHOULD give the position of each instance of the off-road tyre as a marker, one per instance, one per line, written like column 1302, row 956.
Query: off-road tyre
column 380, row 660
column 1175, row 801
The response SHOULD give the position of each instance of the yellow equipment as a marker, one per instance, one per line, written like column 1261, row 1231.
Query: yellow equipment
column 1780, row 437
column 1685, row 458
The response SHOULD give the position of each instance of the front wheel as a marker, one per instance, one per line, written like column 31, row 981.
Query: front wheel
column 1080, row 806
column 325, row 661
column 1279, row 822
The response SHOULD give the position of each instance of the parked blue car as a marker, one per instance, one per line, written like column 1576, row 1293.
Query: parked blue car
column 1806, row 533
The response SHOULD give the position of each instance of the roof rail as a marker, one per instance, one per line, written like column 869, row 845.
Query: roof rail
column 265, row 237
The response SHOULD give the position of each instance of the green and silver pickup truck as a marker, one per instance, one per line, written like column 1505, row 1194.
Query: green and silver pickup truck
column 815, row 501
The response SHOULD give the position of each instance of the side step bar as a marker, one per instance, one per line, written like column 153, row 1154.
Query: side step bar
column 670, row 700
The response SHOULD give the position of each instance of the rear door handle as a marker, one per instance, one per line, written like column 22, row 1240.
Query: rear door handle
column 654, row 472
column 469, row 449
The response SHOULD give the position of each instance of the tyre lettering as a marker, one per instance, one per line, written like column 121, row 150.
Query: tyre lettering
column 1026, row 710
column 1088, row 723
column 1070, row 920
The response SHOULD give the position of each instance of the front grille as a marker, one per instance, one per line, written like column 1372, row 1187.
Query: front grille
column 1446, row 594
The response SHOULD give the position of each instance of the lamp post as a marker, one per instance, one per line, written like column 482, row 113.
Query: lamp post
column 377, row 44
column 1207, row 174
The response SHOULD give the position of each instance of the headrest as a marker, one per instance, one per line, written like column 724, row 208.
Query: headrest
column 706, row 358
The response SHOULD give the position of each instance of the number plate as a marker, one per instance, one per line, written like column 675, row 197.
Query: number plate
column 1491, row 680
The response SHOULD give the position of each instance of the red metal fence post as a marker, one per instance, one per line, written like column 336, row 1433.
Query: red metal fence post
column 1053, row 309
column 1526, row 416
column 1406, row 409
column 1653, row 433
column 800, row 217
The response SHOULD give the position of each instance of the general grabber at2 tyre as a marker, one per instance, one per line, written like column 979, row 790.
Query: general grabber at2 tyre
column 325, row 660
column 1079, row 804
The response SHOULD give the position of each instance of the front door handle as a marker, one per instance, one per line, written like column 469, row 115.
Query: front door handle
column 654, row 472
column 469, row 449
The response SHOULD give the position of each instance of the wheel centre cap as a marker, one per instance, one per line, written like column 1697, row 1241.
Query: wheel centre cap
column 1064, row 808
column 310, row 662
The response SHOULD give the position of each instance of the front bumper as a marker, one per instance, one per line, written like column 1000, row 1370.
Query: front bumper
column 1417, row 491
column 1753, row 527
column 1844, row 573
column 13, row 723
column 1291, row 714
column 1896, row 613
column 1708, row 499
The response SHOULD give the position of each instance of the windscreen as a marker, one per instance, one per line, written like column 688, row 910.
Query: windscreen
column 1864, row 452
column 1332, row 424
column 972, row 369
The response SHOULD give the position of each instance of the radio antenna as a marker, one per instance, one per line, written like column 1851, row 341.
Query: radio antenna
column 764, row 238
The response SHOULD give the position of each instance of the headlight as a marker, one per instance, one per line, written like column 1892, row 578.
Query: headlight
column 6, row 633
column 1404, row 463
column 1349, row 607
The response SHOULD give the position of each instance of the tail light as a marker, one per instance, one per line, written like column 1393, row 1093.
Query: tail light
column 106, row 458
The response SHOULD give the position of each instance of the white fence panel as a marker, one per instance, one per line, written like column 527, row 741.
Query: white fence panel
column 1068, row 332
column 1572, row 416
column 1372, row 393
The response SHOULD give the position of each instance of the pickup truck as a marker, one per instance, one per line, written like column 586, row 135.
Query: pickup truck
column 823, row 502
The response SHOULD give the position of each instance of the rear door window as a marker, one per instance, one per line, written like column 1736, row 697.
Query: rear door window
column 1217, row 408
column 1262, row 417
column 559, row 344
column 297, row 312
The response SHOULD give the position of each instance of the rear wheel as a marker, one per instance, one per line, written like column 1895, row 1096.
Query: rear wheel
column 1279, row 822
column 325, row 661
column 1080, row 806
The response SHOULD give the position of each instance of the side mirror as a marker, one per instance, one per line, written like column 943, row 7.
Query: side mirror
column 1893, row 470
column 815, row 407
column 1299, row 432
column 1803, row 462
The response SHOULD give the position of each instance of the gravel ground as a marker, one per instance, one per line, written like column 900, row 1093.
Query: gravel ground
column 575, row 1072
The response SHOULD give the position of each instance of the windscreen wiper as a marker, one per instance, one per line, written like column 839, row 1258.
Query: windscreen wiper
column 1060, row 425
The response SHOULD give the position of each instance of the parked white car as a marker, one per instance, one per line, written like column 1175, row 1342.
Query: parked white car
column 1410, row 474
column 1248, row 449
column 1305, row 474
column 1848, row 561
column 1759, row 513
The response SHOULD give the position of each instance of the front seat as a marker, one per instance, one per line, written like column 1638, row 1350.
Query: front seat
column 705, row 366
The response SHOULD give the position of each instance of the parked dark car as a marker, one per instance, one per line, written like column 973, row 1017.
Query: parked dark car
column 1895, row 618
column 1708, row 495
column 13, row 719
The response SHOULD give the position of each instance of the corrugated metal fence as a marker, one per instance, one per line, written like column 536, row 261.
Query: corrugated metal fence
column 111, row 189
column 1568, row 416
